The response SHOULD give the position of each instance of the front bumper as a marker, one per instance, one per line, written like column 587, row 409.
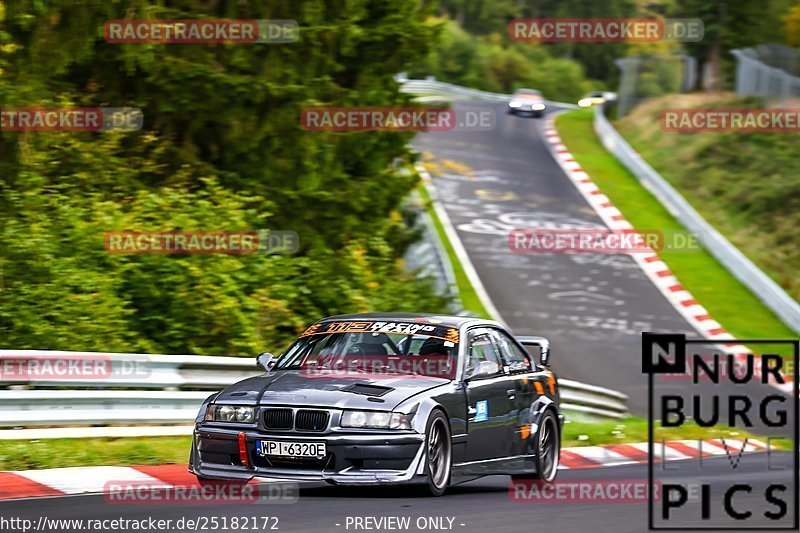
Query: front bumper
column 352, row 458
column 526, row 109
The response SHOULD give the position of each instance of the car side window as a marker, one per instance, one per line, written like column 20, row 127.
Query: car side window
column 515, row 358
column 484, row 359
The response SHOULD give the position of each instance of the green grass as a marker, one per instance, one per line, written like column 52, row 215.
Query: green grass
column 466, row 292
column 745, row 184
column 634, row 429
column 58, row 453
column 726, row 299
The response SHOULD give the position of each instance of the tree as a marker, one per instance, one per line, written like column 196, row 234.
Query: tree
column 729, row 24
column 221, row 149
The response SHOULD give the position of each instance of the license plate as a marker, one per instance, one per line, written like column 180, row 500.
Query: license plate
column 290, row 449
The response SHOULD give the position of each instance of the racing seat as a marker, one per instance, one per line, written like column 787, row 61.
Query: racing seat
column 366, row 348
column 434, row 346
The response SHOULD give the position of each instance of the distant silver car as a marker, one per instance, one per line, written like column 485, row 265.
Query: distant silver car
column 526, row 101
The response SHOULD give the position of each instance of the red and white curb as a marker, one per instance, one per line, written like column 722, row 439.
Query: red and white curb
column 96, row 479
column 655, row 269
column 627, row 454
column 92, row 480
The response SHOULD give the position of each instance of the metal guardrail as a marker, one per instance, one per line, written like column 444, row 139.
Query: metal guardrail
column 591, row 401
column 429, row 257
column 765, row 289
column 141, row 371
column 28, row 408
column 102, row 402
column 439, row 87
column 433, row 87
column 768, row 70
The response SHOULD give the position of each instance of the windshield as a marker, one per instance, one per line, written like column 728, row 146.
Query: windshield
column 374, row 348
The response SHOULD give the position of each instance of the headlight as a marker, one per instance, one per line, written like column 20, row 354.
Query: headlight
column 230, row 413
column 375, row 420
column 584, row 102
column 537, row 107
column 514, row 103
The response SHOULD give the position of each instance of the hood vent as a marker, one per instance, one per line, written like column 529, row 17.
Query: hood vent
column 368, row 390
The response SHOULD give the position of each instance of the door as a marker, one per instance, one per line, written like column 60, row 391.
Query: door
column 525, row 377
column 490, row 422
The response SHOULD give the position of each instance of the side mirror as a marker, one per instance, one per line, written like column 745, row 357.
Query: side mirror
column 266, row 360
column 484, row 368
column 541, row 345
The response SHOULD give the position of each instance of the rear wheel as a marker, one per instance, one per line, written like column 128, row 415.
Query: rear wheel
column 547, row 446
column 438, row 454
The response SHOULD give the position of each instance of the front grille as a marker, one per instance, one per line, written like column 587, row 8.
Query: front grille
column 308, row 420
column 278, row 419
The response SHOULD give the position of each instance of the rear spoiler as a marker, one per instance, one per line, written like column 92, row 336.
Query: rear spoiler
column 541, row 345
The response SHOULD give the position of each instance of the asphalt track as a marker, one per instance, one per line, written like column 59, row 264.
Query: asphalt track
column 478, row 506
column 592, row 307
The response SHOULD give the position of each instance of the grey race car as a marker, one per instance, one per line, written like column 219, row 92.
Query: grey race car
column 375, row 399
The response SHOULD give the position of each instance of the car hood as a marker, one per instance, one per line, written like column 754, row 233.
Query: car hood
column 295, row 388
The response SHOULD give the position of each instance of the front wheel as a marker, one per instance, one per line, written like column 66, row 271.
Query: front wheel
column 438, row 454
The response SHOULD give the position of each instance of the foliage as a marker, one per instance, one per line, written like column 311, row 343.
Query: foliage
column 792, row 25
column 221, row 149
column 746, row 184
column 483, row 17
column 731, row 24
column 493, row 63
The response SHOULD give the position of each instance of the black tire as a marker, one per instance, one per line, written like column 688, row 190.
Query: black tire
column 547, row 447
column 438, row 454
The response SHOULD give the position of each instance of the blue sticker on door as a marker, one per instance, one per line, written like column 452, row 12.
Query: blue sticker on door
column 481, row 411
